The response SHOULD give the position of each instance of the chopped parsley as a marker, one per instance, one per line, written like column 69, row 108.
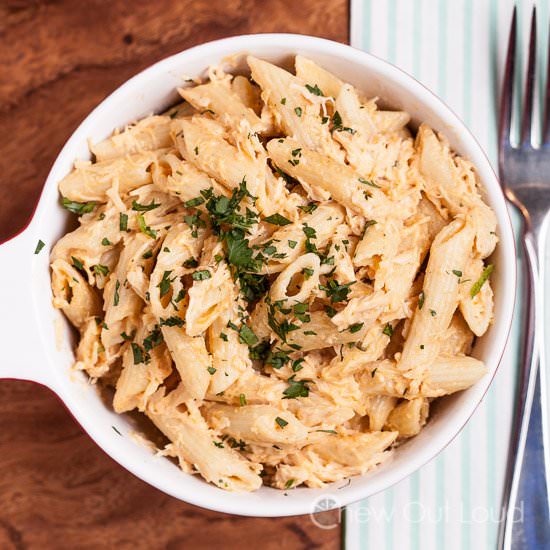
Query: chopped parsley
column 194, row 222
column 153, row 339
column 277, row 219
column 292, row 244
column 283, row 101
column 309, row 232
column 106, row 242
column 297, row 365
column 211, row 370
column 165, row 283
column 356, row 327
column 300, row 311
column 191, row 263
column 137, row 353
column 388, row 330
column 368, row 182
column 421, row 299
column 39, row 246
column 283, row 175
column 290, row 482
column 144, row 207
column 368, row 223
column 173, row 321
column 260, row 351
column 242, row 399
column 252, row 285
column 128, row 337
column 281, row 422
column 123, row 222
column 247, row 336
column 457, row 272
column 308, row 208
column 330, row 311
column 77, row 207
column 201, row 275
column 144, row 228
column 197, row 201
column 77, row 263
column 298, row 111
column 281, row 329
column 100, row 269
column 315, row 90
column 297, row 388
column 276, row 359
column 179, row 297
column 116, row 297
column 337, row 124
column 335, row 291
column 476, row 287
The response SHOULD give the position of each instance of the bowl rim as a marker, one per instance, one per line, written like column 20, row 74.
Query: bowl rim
column 350, row 494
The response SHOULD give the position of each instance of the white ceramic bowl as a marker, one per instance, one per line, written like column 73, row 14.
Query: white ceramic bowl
column 36, row 341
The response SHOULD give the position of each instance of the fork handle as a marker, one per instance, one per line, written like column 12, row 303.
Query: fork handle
column 526, row 519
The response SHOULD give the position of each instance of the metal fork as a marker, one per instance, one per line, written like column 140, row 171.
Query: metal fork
column 525, row 179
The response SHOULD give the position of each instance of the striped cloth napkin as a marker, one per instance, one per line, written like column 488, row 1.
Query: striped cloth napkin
column 456, row 48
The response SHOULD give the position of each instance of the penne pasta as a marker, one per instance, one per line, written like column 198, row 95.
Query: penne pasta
column 279, row 274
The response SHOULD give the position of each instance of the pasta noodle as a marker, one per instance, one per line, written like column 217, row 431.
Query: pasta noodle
column 281, row 276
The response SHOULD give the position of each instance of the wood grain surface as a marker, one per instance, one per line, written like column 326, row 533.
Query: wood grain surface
column 60, row 58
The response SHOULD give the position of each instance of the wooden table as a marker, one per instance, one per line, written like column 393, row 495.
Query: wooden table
column 59, row 60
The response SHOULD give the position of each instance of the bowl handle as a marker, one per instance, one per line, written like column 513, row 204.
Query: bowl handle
column 22, row 352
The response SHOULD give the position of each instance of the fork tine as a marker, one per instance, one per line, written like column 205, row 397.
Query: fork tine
column 546, row 128
column 505, row 114
column 529, row 83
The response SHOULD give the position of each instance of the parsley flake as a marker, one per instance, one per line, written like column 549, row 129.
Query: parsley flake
column 368, row 182
column 144, row 228
column 247, row 336
column 201, row 275
column 281, row 422
column 165, row 283
column 476, row 287
column 335, row 291
column 315, row 90
column 77, row 207
column 421, row 299
column 356, row 327
column 144, row 207
column 297, row 388
column 123, row 222
column 39, row 246
column 277, row 219
column 116, row 297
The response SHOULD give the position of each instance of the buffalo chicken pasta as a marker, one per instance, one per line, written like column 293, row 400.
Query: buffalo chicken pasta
column 279, row 274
